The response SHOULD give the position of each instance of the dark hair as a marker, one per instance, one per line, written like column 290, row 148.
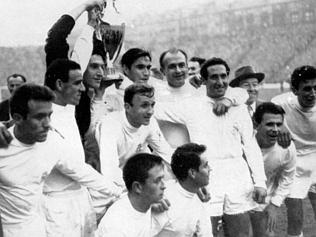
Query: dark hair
column 137, row 167
column 302, row 73
column 211, row 62
column 137, row 88
column 186, row 157
column 172, row 51
column 26, row 92
column 267, row 107
column 59, row 69
column 131, row 55
column 198, row 59
column 16, row 75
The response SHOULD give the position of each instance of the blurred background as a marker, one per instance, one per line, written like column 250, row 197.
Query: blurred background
column 274, row 36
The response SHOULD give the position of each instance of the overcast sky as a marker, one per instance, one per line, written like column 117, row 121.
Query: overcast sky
column 26, row 22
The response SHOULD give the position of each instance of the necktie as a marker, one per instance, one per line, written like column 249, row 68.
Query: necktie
column 250, row 110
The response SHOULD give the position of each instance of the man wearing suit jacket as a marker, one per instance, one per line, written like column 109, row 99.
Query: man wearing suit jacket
column 13, row 82
column 247, row 78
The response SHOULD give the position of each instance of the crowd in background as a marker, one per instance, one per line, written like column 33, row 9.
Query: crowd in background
column 186, row 149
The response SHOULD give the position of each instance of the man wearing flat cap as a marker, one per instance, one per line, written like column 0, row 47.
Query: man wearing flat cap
column 246, row 77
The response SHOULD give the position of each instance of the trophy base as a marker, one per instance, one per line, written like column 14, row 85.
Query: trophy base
column 112, row 75
column 114, row 78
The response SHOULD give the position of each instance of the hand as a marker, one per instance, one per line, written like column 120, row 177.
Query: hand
column 204, row 195
column 99, row 92
column 272, row 212
column 259, row 194
column 195, row 81
column 284, row 137
column 5, row 137
column 118, row 83
column 161, row 206
column 95, row 11
column 221, row 106
column 89, row 4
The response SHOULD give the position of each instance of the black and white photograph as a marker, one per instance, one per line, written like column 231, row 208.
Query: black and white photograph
column 158, row 118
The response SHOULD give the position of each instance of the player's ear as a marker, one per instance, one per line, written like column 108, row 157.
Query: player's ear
column 192, row 173
column 18, row 118
column 137, row 187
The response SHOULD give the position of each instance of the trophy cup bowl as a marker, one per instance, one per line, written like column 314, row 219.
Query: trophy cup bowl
column 112, row 38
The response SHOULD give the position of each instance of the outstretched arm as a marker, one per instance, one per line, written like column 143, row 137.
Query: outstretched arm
column 84, row 44
column 89, row 177
column 56, row 44
column 252, row 154
column 286, row 177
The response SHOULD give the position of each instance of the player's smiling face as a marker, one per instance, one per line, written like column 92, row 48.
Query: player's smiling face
column 269, row 129
column 140, row 111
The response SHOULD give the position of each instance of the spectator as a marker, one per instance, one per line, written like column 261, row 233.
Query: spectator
column 13, row 82
column 194, row 65
column 248, row 79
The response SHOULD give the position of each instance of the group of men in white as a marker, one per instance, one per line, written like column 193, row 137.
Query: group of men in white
column 173, row 159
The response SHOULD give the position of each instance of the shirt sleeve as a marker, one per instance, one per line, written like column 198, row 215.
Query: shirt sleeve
column 251, row 148
column 106, row 134
column 83, row 47
column 89, row 177
column 158, row 143
column 286, row 177
column 160, row 147
column 56, row 44
column 236, row 95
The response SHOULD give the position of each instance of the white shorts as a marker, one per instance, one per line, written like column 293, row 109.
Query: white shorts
column 231, row 188
column 36, row 228
column 304, row 176
column 69, row 214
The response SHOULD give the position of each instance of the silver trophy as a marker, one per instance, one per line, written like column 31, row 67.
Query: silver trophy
column 112, row 37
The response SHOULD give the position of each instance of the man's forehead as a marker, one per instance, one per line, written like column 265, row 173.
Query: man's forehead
column 97, row 59
column 15, row 79
column 142, row 60
column 272, row 117
column 156, row 171
column 308, row 82
column 216, row 68
column 193, row 64
column 203, row 158
column 38, row 105
column 75, row 75
column 176, row 56
column 249, row 80
column 144, row 97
